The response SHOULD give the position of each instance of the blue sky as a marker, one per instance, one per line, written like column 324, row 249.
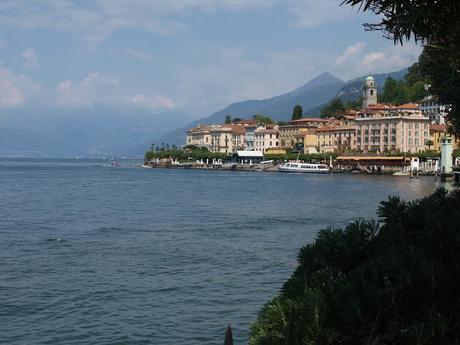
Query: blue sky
column 195, row 56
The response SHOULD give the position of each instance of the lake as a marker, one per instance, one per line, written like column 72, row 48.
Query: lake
column 94, row 254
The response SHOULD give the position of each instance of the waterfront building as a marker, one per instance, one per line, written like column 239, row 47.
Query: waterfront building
column 266, row 137
column 247, row 157
column 294, row 132
column 369, row 92
column 227, row 138
column 385, row 128
column 437, row 132
column 341, row 138
column 199, row 136
column 430, row 106
column 373, row 164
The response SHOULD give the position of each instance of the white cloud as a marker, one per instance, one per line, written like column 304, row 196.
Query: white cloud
column 98, row 89
column 357, row 60
column 30, row 58
column 391, row 59
column 94, row 89
column 350, row 53
column 16, row 90
column 154, row 102
column 97, row 20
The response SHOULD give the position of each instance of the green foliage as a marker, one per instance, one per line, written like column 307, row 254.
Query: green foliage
column 336, row 107
column 228, row 119
column 194, row 153
column 262, row 120
column 297, row 112
column 388, row 282
column 333, row 109
column 399, row 92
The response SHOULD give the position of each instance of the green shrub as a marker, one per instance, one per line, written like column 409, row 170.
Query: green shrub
column 390, row 282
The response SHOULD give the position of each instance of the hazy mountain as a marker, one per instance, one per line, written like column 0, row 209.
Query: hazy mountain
column 353, row 88
column 94, row 131
column 315, row 92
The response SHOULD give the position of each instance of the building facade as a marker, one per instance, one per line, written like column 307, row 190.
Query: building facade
column 294, row 133
column 199, row 136
column 385, row 128
column 266, row 138
column 430, row 106
column 340, row 138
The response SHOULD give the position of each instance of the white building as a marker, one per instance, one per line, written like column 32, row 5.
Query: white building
column 430, row 106
column 266, row 137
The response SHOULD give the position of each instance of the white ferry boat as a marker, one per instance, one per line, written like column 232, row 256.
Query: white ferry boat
column 304, row 168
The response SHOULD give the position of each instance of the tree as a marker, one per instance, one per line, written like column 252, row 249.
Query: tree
column 429, row 143
column 335, row 108
column 297, row 112
column 262, row 119
column 228, row 119
column 436, row 24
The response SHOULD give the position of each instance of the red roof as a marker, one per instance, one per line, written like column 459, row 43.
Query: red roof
column 408, row 106
column 310, row 119
column 438, row 128
column 334, row 128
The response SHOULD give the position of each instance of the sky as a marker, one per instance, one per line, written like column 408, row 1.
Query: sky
column 193, row 56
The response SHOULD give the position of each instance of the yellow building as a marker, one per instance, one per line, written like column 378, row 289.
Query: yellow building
column 199, row 136
column 310, row 142
column 294, row 132
column 336, row 138
column 439, row 131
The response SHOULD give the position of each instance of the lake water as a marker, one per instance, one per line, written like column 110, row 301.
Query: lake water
column 91, row 254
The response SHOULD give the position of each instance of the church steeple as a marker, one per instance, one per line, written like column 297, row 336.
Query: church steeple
column 369, row 91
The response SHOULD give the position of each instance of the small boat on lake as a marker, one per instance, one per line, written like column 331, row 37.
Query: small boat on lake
column 304, row 168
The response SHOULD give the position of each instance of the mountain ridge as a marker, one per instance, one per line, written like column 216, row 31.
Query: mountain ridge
column 313, row 96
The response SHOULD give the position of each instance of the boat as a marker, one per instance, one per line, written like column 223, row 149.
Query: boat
column 303, row 168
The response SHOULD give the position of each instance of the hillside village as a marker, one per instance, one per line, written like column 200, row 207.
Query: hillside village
column 376, row 128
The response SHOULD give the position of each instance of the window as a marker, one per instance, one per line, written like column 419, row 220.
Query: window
column 372, row 92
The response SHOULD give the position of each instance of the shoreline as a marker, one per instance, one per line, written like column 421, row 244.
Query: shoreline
column 272, row 169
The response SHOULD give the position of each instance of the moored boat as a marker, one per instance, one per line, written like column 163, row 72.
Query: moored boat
column 304, row 168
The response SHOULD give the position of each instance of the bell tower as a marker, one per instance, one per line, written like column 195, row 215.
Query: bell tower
column 369, row 92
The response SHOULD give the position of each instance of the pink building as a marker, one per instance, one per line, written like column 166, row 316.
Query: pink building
column 384, row 128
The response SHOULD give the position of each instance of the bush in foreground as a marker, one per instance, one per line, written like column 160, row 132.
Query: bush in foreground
column 396, row 281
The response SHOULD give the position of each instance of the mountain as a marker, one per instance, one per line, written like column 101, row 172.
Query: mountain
column 353, row 88
column 315, row 92
column 94, row 131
